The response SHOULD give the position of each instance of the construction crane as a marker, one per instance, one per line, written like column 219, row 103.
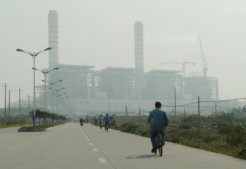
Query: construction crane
column 183, row 64
column 204, row 62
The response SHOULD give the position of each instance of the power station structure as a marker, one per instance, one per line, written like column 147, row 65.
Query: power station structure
column 139, row 58
column 114, row 88
column 53, row 38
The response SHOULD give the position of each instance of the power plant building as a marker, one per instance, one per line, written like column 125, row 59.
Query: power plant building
column 205, row 87
column 139, row 59
column 53, row 38
column 160, row 84
column 114, row 85
column 117, row 83
column 139, row 47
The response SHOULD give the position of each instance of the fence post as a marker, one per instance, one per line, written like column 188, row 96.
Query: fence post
column 175, row 105
column 199, row 114
column 28, row 100
column 215, row 108
column 5, row 103
column 20, row 105
column 126, row 111
column 139, row 114
column 9, row 106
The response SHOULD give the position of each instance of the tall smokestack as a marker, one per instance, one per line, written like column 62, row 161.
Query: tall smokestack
column 139, row 58
column 53, row 38
column 139, row 47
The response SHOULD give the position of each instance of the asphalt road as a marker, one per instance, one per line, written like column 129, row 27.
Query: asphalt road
column 73, row 147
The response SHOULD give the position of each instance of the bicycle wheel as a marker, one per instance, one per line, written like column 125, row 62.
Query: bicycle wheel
column 160, row 151
column 106, row 127
column 159, row 143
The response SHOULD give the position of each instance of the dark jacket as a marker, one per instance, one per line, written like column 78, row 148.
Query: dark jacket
column 107, row 119
column 158, row 119
column 81, row 120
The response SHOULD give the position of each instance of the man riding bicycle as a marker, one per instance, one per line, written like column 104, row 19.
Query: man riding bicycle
column 158, row 121
column 107, row 121
column 100, row 121
column 81, row 121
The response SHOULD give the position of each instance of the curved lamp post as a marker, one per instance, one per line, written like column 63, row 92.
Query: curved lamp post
column 52, row 84
column 34, row 55
column 45, row 73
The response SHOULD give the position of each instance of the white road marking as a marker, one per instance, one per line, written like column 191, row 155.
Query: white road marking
column 87, row 138
column 102, row 160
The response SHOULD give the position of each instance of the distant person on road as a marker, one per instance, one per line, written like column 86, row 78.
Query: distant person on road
column 107, row 121
column 81, row 121
column 95, row 120
column 158, row 121
column 100, row 121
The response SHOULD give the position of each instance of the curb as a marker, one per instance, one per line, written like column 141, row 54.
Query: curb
column 54, row 127
column 26, row 129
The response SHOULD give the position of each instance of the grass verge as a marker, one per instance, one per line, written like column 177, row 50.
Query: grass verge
column 229, row 142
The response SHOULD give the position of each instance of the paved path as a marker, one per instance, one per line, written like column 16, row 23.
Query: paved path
column 73, row 147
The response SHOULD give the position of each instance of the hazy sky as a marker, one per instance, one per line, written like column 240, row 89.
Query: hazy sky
column 100, row 33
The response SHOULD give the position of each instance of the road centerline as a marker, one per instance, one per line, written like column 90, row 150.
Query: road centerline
column 102, row 160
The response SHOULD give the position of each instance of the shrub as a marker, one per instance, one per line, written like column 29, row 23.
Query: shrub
column 129, row 127
column 185, row 126
column 242, row 153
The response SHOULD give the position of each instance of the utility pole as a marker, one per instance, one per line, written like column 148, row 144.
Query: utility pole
column 126, row 111
column 5, row 103
column 19, row 103
column 52, row 99
column 28, row 104
column 55, row 103
column 175, row 104
column 34, row 92
column 9, row 104
column 139, row 113
column 215, row 108
column 199, row 115
column 45, row 80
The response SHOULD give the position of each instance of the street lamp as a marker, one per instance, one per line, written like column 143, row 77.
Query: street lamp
column 52, row 84
column 45, row 73
column 58, row 97
column 34, row 55
column 58, row 105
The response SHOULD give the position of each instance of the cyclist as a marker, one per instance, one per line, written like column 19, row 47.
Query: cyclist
column 107, row 121
column 81, row 121
column 158, row 121
column 95, row 120
column 100, row 121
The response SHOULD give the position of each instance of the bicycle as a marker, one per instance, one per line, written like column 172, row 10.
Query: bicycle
column 159, row 143
column 100, row 125
column 106, row 126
